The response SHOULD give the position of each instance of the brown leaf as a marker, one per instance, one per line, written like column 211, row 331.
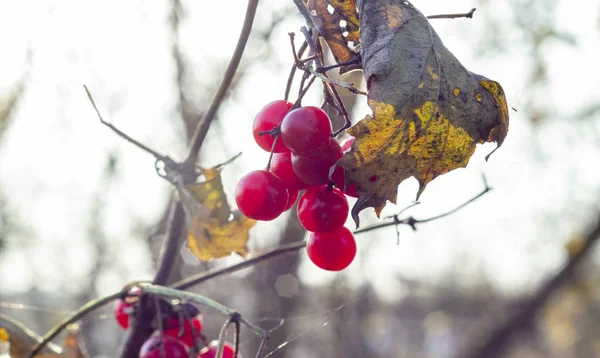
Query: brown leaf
column 214, row 231
column 340, row 29
column 429, row 112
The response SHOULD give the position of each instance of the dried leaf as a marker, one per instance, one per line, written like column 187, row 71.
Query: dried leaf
column 340, row 29
column 429, row 112
column 214, row 231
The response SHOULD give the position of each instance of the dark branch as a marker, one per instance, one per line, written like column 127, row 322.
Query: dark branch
column 412, row 222
column 170, row 247
column 496, row 340
column 468, row 15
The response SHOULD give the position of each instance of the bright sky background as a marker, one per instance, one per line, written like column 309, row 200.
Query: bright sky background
column 545, row 179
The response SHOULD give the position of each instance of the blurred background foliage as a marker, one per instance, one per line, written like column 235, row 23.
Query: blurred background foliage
column 82, row 211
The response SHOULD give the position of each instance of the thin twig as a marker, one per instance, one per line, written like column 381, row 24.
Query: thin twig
column 303, row 92
column 496, row 340
column 468, row 15
column 338, row 65
column 79, row 314
column 347, row 85
column 223, row 333
column 191, row 281
column 262, row 346
column 194, row 280
column 123, row 134
column 204, row 124
column 303, row 10
column 336, row 97
column 288, row 86
column 272, row 152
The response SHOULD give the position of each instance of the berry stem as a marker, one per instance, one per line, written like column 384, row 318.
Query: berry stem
column 272, row 152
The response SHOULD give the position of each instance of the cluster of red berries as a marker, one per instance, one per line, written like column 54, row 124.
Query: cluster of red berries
column 304, row 154
column 181, row 328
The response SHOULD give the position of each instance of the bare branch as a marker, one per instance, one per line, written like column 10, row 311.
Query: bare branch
column 170, row 247
column 194, row 280
column 495, row 341
column 121, row 133
column 412, row 222
column 204, row 124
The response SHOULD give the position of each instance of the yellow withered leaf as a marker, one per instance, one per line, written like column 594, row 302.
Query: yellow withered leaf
column 214, row 231
column 337, row 22
column 208, row 239
column 429, row 112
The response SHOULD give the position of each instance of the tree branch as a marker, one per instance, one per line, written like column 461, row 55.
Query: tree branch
column 140, row 332
column 170, row 247
column 204, row 124
column 498, row 337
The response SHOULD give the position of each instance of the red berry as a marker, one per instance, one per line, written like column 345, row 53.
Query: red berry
column 314, row 169
column 281, row 166
column 305, row 128
column 122, row 312
column 347, row 144
column 339, row 177
column 260, row 195
column 269, row 117
column 186, row 335
column 172, row 347
column 332, row 251
column 322, row 209
column 292, row 197
column 210, row 351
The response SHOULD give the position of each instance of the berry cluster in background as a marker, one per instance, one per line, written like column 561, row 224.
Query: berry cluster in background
column 303, row 156
column 178, row 334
